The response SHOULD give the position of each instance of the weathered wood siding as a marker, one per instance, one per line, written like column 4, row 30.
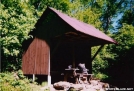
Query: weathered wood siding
column 36, row 59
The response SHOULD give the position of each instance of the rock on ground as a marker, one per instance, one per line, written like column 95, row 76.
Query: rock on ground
column 94, row 85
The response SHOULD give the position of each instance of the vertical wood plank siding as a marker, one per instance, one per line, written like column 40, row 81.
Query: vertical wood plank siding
column 35, row 59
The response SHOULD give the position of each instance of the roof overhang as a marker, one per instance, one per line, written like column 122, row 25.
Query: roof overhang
column 81, row 32
column 83, row 27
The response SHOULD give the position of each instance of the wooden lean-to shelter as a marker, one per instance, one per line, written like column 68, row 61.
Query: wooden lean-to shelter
column 59, row 41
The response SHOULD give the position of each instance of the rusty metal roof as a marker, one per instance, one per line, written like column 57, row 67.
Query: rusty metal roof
column 83, row 27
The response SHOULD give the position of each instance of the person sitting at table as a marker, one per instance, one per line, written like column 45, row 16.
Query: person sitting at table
column 70, row 74
column 83, row 77
column 82, row 68
column 69, row 66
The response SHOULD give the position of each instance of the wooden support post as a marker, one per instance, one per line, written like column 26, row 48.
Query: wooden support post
column 49, row 79
column 73, row 54
column 49, row 75
column 97, row 52
column 88, row 62
column 33, row 77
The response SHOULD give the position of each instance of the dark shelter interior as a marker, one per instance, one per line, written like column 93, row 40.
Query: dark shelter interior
column 67, row 54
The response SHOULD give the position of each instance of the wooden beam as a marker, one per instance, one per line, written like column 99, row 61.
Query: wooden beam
column 49, row 70
column 33, row 77
column 73, row 54
column 97, row 52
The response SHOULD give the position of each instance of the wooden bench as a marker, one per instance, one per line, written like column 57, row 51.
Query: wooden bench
column 84, row 78
column 78, row 77
column 71, row 73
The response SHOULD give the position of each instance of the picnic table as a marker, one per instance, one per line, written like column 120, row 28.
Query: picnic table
column 78, row 77
column 71, row 73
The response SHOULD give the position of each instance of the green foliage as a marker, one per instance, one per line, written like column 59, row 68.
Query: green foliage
column 100, row 63
column 40, row 5
column 9, row 82
column 16, row 81
column 17, row 19
column 125, row 37
column 47, row 90
column 122, row 61
column 127, row 18
column 20, row 74
column 101, row 76
column 85, row 13
column 14, row 31
column 44, row 83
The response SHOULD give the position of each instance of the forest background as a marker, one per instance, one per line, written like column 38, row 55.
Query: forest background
column 113, row 64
